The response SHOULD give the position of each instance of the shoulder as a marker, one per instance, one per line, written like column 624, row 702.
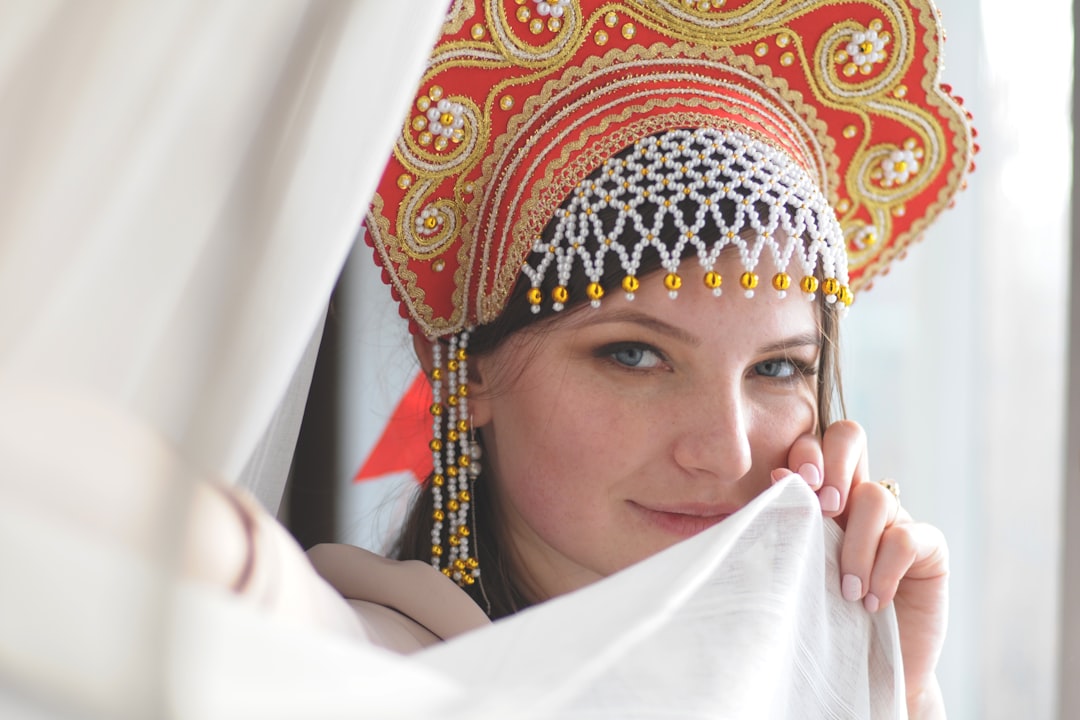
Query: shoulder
column 406, row 599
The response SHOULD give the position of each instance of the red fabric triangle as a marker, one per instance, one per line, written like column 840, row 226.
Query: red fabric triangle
column 403, row 444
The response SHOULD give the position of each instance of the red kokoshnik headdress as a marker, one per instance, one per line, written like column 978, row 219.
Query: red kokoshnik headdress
column 523, row 99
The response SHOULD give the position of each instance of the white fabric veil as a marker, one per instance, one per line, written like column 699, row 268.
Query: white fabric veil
column 179, row 186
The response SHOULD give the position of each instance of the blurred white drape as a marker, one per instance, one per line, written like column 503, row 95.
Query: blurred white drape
column 179, row 186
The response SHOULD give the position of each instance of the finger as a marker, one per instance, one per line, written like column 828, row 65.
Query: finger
column 845, row 464
column 806, row 458
column 872, row 508
column 779, row 474
column 896, row 553
column 907, row 551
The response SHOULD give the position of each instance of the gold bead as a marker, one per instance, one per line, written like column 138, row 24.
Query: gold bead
column 463, row 390
column 441, row 143
column 809, row 284
column 425, row 138
column 472, row 563
column 536, row 26
column 436, row 374
column 404, row 181
column 845, row 296
column 506, row 102
column 464, row 461
column 713, row 280
column 452, row 365
column 438, row 480
column 459, row 564
column 787, row 59
column 630, row 284
column 535, row 296
column 452, row 435
column 849, row 131
column 435, row 445
column 601, row 37
column 453, row 505
column 435, row 93
column 595, row 291
column 523, row 14
column 463, row 531
column 560, row 294
column 629, row 30
column 554, row 24
column 672, row 281
column 478, row 31
column 452, row 401
column 452, row 471
column 468, row 579
column 748, row 280
column 781, row 281
column 446, row 571
column 455, row 540
column 462, row 354
column 464, row 496
column 436, row 550
column 831, row 286
column 463, row 425
column 761, row 49
column 438, row 516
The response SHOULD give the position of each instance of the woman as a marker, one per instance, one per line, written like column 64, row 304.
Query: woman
column 610, row 228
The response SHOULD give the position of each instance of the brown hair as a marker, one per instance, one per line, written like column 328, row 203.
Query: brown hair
column 501, row 590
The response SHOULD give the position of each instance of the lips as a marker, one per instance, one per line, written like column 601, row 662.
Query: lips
column 684, row 520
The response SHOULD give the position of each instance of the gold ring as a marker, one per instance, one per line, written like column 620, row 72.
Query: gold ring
column 892, row 486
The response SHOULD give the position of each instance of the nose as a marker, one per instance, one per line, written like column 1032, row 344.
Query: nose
column 713, row 437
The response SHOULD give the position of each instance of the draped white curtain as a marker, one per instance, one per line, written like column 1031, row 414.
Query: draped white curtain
column 179, row 186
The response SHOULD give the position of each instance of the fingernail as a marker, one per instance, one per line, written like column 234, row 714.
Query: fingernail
column 851, row 587
column 870, row 602
column 810, row 474
column 830, row 499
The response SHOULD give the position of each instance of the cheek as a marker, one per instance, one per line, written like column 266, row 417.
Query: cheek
column 558, row 460
column 779, row 425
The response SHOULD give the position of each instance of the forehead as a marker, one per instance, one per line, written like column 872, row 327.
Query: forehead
column 696, row 312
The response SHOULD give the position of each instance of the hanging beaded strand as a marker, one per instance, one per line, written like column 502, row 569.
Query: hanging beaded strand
column 454, row 464
column 466, row 568
column 438, row 478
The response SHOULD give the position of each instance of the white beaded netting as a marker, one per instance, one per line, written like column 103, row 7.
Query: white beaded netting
column 687, row 192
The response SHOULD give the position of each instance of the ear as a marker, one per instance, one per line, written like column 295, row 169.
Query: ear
column 479, row 402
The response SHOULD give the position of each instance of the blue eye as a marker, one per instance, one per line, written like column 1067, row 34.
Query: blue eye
column 776, row 369
column 634, row 356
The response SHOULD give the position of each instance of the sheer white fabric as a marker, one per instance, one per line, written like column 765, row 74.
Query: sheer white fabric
column 181, row 183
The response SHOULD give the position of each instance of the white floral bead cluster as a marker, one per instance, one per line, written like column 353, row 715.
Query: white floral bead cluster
column 455, row 460
column 682, row 178
column 554, row 8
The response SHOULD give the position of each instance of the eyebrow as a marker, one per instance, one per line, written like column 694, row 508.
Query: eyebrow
column 800, row 340
column 647, row 321
column 807, row 339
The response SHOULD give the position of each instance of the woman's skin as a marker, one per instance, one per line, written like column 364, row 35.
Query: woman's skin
column 613, row 433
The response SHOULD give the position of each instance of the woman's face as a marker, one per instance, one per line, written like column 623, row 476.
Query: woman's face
column 613, row 433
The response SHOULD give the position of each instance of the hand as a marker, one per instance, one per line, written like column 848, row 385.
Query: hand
column 886, row 556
